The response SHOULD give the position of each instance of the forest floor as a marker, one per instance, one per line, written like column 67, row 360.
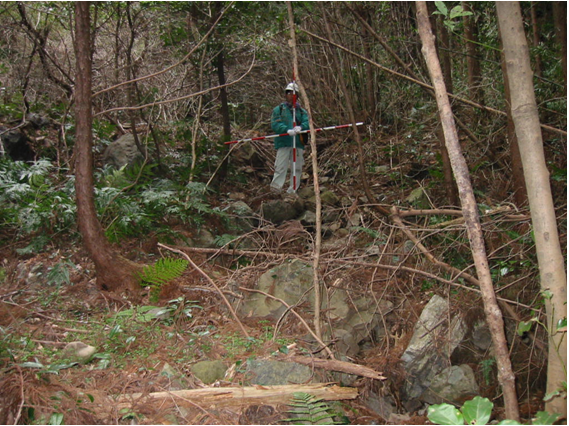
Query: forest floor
column 37, row 320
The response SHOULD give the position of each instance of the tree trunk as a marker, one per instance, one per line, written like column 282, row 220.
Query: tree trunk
column 535, row 37
column 472, row 62
column 336, row 60
column 113, row 272
column 451, row 190
column 470, row 210
column 518, row 181
column 550, row 257
column 560, row 22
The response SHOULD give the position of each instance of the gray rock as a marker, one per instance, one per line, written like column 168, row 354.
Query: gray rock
column 244, row 219
column 382, row 405
column 308, row 218
column 452, row 385
column 78, row 352
column 274, row 373
column 329, row 198
column 37, row 120
column 122, row 152
column 431, row 345
column 418, row 198
column 481, row 337
column 209, row 371
column 278, row 211
column 205, row 239
column 289, row 282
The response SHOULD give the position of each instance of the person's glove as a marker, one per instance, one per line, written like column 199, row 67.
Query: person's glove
column 294, row 131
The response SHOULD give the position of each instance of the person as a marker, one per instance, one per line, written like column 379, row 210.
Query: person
column 282, row 122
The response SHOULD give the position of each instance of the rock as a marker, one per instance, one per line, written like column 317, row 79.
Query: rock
column 205, row 239
column 289, row 282
column 78, row 352
column 382, row 405
column 418, row 198
column 481, row 337
column 244, row 219
column 16, row 145
column 453, row 385
column 308, row 219
column 431, row 345
column 329, row 198
column 306, row 192
column 36, row 120
column 177, row 380
column 278, row 211
column 274, row 373
column 209, row 371
column 122, row 152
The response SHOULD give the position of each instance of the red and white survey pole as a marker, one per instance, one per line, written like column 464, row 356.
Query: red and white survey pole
column 293, row 172
column 260, row 138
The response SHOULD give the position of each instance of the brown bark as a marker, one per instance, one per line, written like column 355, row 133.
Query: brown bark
column 492, row 311
column 549, row 255
column 114, row 273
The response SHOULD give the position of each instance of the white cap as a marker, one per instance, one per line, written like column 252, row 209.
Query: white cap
column 292, row 87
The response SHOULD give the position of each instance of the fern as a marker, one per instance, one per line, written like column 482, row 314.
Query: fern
column 162, row 272
column 310, row 410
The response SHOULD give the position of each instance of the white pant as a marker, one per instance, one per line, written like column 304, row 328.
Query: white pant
column 283, row 162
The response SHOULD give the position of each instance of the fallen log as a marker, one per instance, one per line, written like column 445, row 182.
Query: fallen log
column 238, row 396
column 336, row 365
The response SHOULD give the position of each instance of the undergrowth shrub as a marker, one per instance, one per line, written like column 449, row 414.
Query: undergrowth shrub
column 38, row 200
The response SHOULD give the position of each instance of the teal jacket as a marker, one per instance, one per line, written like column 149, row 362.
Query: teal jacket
column 281, row 121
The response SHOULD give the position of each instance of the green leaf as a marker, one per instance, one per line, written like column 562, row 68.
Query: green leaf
column 56, row 419
column 30, row 364
column 477, row 411
column 545, row 418
column 562, row 324
column 442, row 8
column 458, row 11
column 509, row 422
column 445, row 414
column 524, row 327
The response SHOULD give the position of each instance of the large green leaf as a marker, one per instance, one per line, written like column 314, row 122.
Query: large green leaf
column 445, row 414
column 477, row 411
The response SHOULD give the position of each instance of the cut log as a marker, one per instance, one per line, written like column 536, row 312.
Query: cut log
column 238, row 396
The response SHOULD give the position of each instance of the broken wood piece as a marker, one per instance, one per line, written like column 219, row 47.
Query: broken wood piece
column 336, row 365
column 227, row 396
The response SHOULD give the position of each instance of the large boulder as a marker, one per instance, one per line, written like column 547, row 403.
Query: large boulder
column 453, row 385
column 15, row 145
column 122, row 152
column 437, row 333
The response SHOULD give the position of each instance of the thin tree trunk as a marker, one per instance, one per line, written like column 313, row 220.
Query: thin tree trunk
column 549, row 255
column 470, row 210
column 560, row 22
column 535, row 37
column 336, row 60
column 318, row 237
column 113, row 272
column 472, row 62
